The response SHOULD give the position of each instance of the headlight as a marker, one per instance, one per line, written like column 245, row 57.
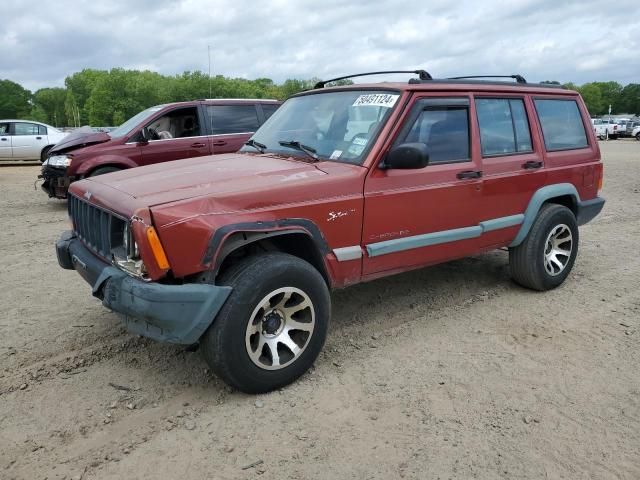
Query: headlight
column 58, row 161
column 128, row 257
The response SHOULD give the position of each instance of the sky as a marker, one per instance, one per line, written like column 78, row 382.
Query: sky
column 578, row 41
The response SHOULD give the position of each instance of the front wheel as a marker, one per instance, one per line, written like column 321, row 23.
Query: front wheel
column 273, row 325
column 546, row 256
column 638, row 137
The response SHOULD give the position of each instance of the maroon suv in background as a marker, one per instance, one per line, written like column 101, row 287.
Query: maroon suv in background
column 158, row 134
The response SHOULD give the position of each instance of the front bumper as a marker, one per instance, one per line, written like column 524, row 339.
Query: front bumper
column 168, row 313
column 56, row 182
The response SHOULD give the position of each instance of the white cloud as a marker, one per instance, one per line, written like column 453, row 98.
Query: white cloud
column 542, row 40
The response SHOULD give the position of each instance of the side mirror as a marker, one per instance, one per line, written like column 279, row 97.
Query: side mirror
column 407, row 156
column 144, row 137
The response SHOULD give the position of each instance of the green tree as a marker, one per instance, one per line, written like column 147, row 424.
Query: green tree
column 14, row 100
column 49, row 106
column 592, row 96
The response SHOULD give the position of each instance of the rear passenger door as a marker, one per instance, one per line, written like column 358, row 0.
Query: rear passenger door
column 231, row 125
column 5, row 141
column 28, row 140
column 512, row 163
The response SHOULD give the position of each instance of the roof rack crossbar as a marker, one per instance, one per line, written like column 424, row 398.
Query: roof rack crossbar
column 516, row 77
column 423, row 74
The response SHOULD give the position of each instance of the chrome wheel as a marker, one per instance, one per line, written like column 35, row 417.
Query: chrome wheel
column 557, row 249
column 280, row 328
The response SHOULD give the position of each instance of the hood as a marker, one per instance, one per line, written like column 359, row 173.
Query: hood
column 79, row 138
column 217, row 176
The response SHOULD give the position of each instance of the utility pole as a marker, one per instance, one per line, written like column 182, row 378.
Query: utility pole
column 209, row 55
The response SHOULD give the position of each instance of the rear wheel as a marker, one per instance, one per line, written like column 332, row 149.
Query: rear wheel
column 545, row 258
column 273, row 325
column 103, row 170
column 638, row 137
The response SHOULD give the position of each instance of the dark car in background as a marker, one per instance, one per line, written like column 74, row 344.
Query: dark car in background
column 158, row 134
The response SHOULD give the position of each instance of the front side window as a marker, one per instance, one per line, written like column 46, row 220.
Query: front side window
column 4, row 129
column 227, row 119
column 339, row 126
column 138, row 118
column 179, row 123
column 561, row 124
column 445, row 132
column 25, row 129
column 504, row 128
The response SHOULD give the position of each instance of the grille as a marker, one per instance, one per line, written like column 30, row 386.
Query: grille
column 98, row 229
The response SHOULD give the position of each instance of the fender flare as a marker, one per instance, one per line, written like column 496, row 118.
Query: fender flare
column 260, row 230
column 537, row 200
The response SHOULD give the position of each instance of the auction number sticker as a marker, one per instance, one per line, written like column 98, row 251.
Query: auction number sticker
column 385, row 100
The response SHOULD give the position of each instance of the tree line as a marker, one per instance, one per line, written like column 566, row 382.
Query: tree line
column 109, row 97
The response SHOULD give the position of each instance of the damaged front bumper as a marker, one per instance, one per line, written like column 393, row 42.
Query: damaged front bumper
column 169, row 313
column 55, row 181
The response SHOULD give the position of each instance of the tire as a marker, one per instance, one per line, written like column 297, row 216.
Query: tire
column 528, row 261
column 638, row 137
column 44, row 153
column 238, row 346
column 103, row 170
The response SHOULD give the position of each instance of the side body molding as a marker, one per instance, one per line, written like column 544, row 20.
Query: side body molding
column 541, row 196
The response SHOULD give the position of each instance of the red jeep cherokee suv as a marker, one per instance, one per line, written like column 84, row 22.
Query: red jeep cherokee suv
column 341, row 185
column 157, row 134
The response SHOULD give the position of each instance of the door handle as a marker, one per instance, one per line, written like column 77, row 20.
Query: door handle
column 469, row 174
column 3, row 139
column 198, row 145
column 38, row 138
column 219, row 143
column 531, row 164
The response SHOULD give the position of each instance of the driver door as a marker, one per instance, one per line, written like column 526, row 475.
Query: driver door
column 175, row 135
column 423, row 216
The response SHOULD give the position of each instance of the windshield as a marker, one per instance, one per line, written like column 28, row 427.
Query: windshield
column 334, row 125
column 126, row 127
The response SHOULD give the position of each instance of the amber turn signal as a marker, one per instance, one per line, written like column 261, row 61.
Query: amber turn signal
column 156, row 248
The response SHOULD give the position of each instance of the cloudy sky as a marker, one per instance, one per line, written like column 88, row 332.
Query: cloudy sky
column 577, row 41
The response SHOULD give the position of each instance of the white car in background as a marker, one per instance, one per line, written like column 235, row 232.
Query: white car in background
column 604, row 128
column 27, row 140
column 636, row 133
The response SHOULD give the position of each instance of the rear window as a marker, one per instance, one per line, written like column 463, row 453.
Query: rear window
column 561, row 124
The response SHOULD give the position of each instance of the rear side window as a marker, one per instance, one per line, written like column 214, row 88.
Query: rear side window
column 269, row 109
column 504, row 128
column 225, row 119
column 561, row 124
column 445, row 132
column 25, row 129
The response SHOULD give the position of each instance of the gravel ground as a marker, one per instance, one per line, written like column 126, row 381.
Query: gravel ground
column 448, row 372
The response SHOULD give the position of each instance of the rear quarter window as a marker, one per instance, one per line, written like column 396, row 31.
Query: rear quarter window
column 561, row 124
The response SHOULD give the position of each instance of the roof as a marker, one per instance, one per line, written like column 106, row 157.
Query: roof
column 27, row 121
column 454, row 85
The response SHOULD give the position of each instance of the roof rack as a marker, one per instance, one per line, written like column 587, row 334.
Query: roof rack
column 423, row 74
column 516, row 77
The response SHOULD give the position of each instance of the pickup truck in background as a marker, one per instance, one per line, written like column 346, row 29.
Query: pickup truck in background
column 605, row 128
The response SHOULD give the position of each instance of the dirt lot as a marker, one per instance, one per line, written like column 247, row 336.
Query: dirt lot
column 448, row 372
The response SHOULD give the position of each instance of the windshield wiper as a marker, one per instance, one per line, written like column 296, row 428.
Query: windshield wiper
column 261, row 147
column 310, row 151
